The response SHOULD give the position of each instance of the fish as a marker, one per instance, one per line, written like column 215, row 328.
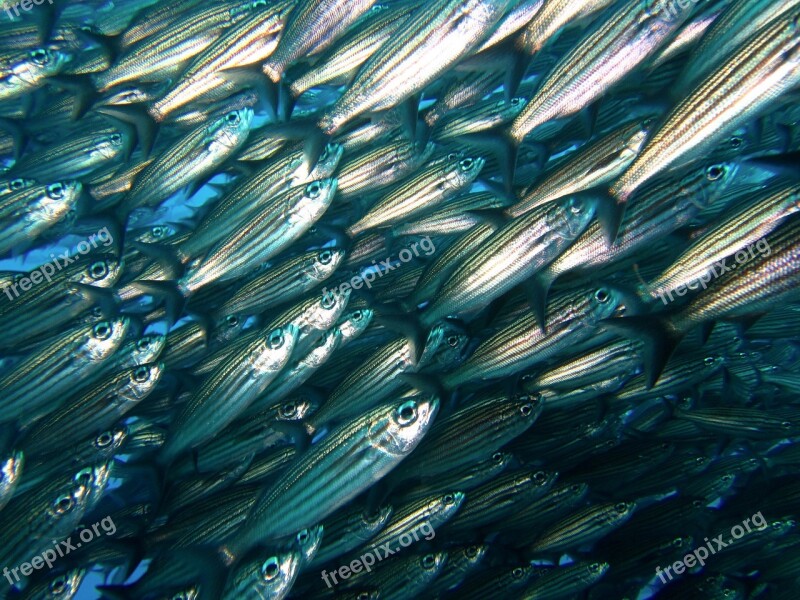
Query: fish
column 429, row 41
column 397, row 427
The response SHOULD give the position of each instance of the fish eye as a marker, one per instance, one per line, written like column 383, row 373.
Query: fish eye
column 677, row 542
column 736, row 141
column 328, row 301
column 232, row 320
column 714, row 172
column 526, row 409
column 786, row 424
column 407, row 413
column 158, row 231
column 58, row 586
column 449, row 499
column 363, row 596
column 233, row 118
column 98, row 270
column 104, row 439
column 63, row 504
column 517, row 573
column 601, row 296
column 575, row 206
column 143, row 344
column 428, row 561
column 466, row 164
column 595, row 567
column 303, row 536
column 515, row 101
column 325, row 256
column 358, row 315
column 275, row 339
column 289, row 409
column 116, row 138
column 102, row 331
column 539, row 477
column 708, row 361
column 312, row 190
column 452, row 156
column 55, row 191
column 270, row 569
column 17, row 184
column 141, row 374
column 40, row 56
column 621, row 507
column 497, row 457
column 471, row 551
column 452, row 341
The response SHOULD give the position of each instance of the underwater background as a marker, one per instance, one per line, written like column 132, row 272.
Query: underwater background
column 393, row 300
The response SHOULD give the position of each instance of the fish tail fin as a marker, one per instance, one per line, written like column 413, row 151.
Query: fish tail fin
column 17, row 133
column 144, row 123
column 610, row 213
column 174, row 299
column 660, row 339
column 536, row 291
column 268, row 91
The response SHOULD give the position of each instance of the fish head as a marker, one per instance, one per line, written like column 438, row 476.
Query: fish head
column 474, row 553
column 148, row 348
column 11, row 186
column 278, row 345
column 66, row 584
column 40, row 63
column 10, row 471
column 327, row 161
column 109, row 442
column 371, row 522
column 540, row 480
column 449, row 502
column 143, row 379
column 58, row 199
column 71, row 500
column 464, row 171
column 111, row 144
column 525, row 408
column 102, row 272
column 622, row 511
column 355, row 322
column 427, row 566
column 324, row 263
column 296, row 407
column 452, row 349
column 232, row 129
column 105, row 337
column 307, row 542
column 264, row 574
column 406, row 424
